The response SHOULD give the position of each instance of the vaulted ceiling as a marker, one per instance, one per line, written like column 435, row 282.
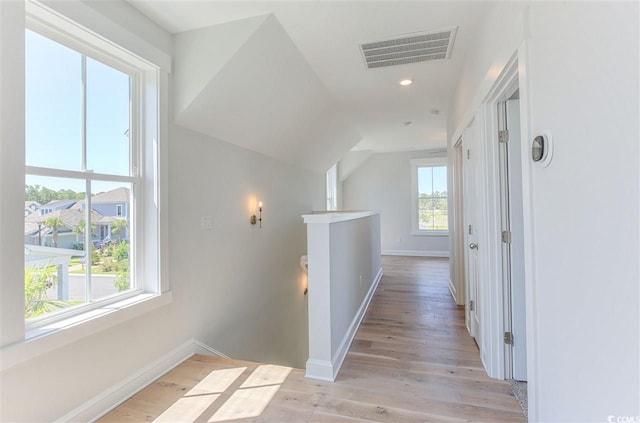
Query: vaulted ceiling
column 288, row 79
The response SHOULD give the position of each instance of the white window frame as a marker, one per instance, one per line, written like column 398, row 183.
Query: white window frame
column 332, row 188
column 415, row 165
column 145, row 158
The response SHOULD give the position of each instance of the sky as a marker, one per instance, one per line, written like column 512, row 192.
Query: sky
column 432, row 179
column 54, row 114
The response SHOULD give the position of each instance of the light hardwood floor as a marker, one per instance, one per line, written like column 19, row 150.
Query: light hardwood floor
column 412, row 361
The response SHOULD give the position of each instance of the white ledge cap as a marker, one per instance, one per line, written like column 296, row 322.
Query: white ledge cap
column 339, row 216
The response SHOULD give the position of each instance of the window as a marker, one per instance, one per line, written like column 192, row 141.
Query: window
column 332, row 188
column 88, row 167
column 429, row 197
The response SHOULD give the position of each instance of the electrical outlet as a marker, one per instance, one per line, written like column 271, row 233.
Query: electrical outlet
column 206, row 223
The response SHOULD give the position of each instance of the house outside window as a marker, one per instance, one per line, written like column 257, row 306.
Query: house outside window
column 87, row 101
column 429, row 196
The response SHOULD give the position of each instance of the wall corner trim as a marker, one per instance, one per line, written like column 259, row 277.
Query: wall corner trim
column 107, row 400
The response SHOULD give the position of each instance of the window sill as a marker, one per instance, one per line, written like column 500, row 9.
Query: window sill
column 47, row 338
column 430, row 233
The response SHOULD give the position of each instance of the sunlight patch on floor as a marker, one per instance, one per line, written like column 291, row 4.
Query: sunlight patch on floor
column 216, row 382
column 249, row 400
column 267, row 374
column 187, row 409
column 245, row 403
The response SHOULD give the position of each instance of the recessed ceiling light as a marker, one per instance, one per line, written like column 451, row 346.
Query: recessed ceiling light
column 406, row 82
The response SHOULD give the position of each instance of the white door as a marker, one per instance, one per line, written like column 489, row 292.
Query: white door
column 470, row 248
column 518, row 315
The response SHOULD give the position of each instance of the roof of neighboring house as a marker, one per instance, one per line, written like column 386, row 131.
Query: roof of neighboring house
column 59, row 204
column 70, row 217
column 118, row 195
column 110, row 219
column 31, row 206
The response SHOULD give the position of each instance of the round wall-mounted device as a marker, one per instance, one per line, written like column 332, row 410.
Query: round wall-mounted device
column 542, row 149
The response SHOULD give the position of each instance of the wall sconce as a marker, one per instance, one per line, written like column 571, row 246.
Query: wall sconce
column 253, row 219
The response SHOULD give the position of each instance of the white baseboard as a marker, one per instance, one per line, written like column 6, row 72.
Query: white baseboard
column 319, row 370
column 452, row 289
column 204, row 349
column 328, row 371
column 415, row 253
column 104, row 402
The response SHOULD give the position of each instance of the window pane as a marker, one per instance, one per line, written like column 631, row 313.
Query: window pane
column 108, row 111
column 112, row 260
column 440, row 180
column 53, row 104
column 440, row 214
column 432, row 198
column 425, row 213
column 56, row 264
column 54, row 245
column 425, row 180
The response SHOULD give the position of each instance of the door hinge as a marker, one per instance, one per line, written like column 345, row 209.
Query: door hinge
column 503, row 136
column 508, row 338
column 506, row 237
column 471, row 305
column 468, row 154
column 470, row 230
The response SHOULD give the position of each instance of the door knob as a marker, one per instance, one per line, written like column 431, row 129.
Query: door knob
column 473, row 246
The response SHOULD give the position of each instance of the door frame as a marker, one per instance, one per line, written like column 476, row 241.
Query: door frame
column 512, row 77
column 471, row 174
column 513, row 251
column 515, row 70
column 457, row 287
column 498, row 308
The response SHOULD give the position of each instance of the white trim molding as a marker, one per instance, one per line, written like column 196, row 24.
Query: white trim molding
column 333, row 217
column 106, row 401
column 64, row 332
column 415, row 253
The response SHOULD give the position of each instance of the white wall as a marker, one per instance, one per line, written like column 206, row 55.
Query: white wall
column 383, row 183
column 247, row 298
column 236, row 287
column 260, row 94
column 344, row 271
column 355, row 264
column 580, row 73
column 349, row 163
column 584, row 90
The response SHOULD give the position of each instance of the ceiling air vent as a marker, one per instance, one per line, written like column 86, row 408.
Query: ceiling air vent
column 413, row 48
